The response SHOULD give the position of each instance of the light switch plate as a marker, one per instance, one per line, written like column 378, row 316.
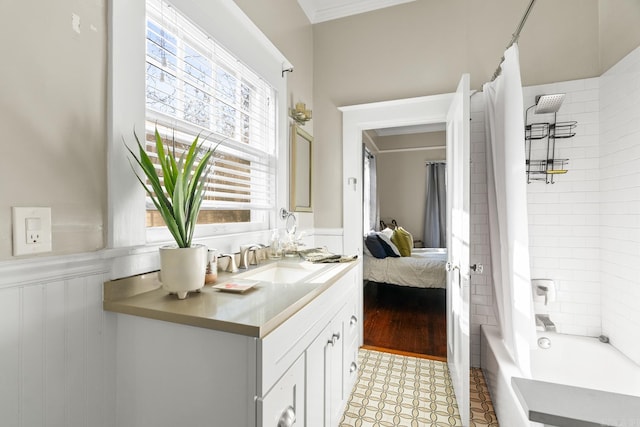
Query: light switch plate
column 31, row 230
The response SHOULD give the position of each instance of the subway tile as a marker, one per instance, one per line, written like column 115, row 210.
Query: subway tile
column 573, row 308
column 596, row 205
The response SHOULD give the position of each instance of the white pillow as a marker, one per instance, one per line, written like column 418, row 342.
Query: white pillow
column 387, row 232
column 387, row 240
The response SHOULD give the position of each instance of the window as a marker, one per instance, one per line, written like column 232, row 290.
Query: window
column 195, row 86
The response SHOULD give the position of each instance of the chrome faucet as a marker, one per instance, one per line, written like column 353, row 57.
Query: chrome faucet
column 544, row 321
column 244, row 254
column 231, row 265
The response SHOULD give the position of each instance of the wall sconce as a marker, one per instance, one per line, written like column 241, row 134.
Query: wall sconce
column 300, row 114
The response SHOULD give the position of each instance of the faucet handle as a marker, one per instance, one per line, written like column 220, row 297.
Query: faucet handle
column 255, row 259
column 231, row 265
column 244, row 254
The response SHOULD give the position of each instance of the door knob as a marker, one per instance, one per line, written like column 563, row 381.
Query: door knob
column 477, row 268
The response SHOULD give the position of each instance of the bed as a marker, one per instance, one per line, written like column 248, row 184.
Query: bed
column 425, row 268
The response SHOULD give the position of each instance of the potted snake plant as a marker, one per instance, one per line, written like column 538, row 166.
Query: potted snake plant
column 178, row 197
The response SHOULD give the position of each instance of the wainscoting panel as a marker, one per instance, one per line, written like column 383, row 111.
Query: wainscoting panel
column 10, row 356
column 56, row 355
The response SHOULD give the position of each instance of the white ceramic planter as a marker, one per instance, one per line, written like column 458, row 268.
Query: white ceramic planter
column 182, row 270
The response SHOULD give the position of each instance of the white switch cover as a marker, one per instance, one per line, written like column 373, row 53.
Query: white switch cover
column 31, row 230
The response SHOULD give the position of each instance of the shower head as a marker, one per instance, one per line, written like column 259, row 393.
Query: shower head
column 549, row 103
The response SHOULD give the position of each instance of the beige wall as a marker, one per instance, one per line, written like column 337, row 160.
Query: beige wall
column 53, row 119
column 402, row 178
column 422, row 48
column 53, row 114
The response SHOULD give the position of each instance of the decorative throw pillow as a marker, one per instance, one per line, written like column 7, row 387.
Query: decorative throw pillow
column 365, row 249
column 387, row 232
column 388, row 245
column 373, row 243
column 403, row 240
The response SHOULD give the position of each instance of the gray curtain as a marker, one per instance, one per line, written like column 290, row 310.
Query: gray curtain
column 435, row 226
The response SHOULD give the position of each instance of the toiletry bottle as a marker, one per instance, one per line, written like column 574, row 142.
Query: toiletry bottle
column 211, row 273
column 274, row 245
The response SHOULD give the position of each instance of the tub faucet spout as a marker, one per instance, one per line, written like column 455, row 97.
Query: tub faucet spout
column 544, row 321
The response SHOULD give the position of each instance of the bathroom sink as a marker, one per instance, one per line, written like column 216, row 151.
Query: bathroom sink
column 282, row 272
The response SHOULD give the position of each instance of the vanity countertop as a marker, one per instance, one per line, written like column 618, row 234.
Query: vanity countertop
column 254, row 313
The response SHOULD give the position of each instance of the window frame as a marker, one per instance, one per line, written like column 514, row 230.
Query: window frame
column 225, row 21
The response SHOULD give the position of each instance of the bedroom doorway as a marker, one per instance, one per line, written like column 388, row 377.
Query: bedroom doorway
column 404, row 300
column 453, row 109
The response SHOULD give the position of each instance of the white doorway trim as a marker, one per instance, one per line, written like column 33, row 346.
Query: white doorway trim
column 377, row 115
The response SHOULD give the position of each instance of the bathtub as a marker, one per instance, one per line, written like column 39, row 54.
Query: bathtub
column 572, row 360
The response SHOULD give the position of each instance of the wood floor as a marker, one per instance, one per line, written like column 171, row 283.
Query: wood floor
column 405, row 320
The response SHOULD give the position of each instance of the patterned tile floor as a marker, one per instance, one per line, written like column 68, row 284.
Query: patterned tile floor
column 482, row 413
column 394, row 390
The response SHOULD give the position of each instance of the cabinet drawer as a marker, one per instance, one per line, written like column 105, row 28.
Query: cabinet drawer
column 351, row 319
column 350, row 367
column 284, row 404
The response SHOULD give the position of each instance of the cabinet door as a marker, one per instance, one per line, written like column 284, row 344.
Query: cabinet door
column 284, row 405
column 317, row 382
column 324, row 376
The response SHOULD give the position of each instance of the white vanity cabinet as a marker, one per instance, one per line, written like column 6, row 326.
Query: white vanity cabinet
column 326, row 334
column 300, row 373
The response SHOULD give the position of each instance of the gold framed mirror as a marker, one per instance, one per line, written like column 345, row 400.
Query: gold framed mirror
column 301, row 170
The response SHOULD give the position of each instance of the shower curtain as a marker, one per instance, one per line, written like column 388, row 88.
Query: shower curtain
column 508, row 222
column 435, row 225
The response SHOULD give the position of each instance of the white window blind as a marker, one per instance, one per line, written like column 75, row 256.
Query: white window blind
column 194, row 86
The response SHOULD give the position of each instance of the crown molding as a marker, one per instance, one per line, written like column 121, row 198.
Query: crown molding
column 319, row 11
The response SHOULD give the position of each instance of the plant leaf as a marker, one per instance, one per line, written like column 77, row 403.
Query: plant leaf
column 178, row 196
column 150, row 171
column 164, row 164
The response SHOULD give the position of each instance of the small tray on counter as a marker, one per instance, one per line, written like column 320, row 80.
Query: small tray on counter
column 236, row 286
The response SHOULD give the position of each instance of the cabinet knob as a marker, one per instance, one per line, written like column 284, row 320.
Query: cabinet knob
column 353, row 320
column 334, row 338
column 353, row 367
column 288, row 417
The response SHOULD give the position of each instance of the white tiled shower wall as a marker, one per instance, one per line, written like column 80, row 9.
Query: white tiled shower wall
column 564, row 216
column 481, row 310
column 620, row 204
column 585, row 229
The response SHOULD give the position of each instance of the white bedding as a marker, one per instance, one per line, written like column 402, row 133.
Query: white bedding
column 425, row 268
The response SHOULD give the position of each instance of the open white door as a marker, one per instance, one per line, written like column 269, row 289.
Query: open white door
column 454, row 110
column 458, row 180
